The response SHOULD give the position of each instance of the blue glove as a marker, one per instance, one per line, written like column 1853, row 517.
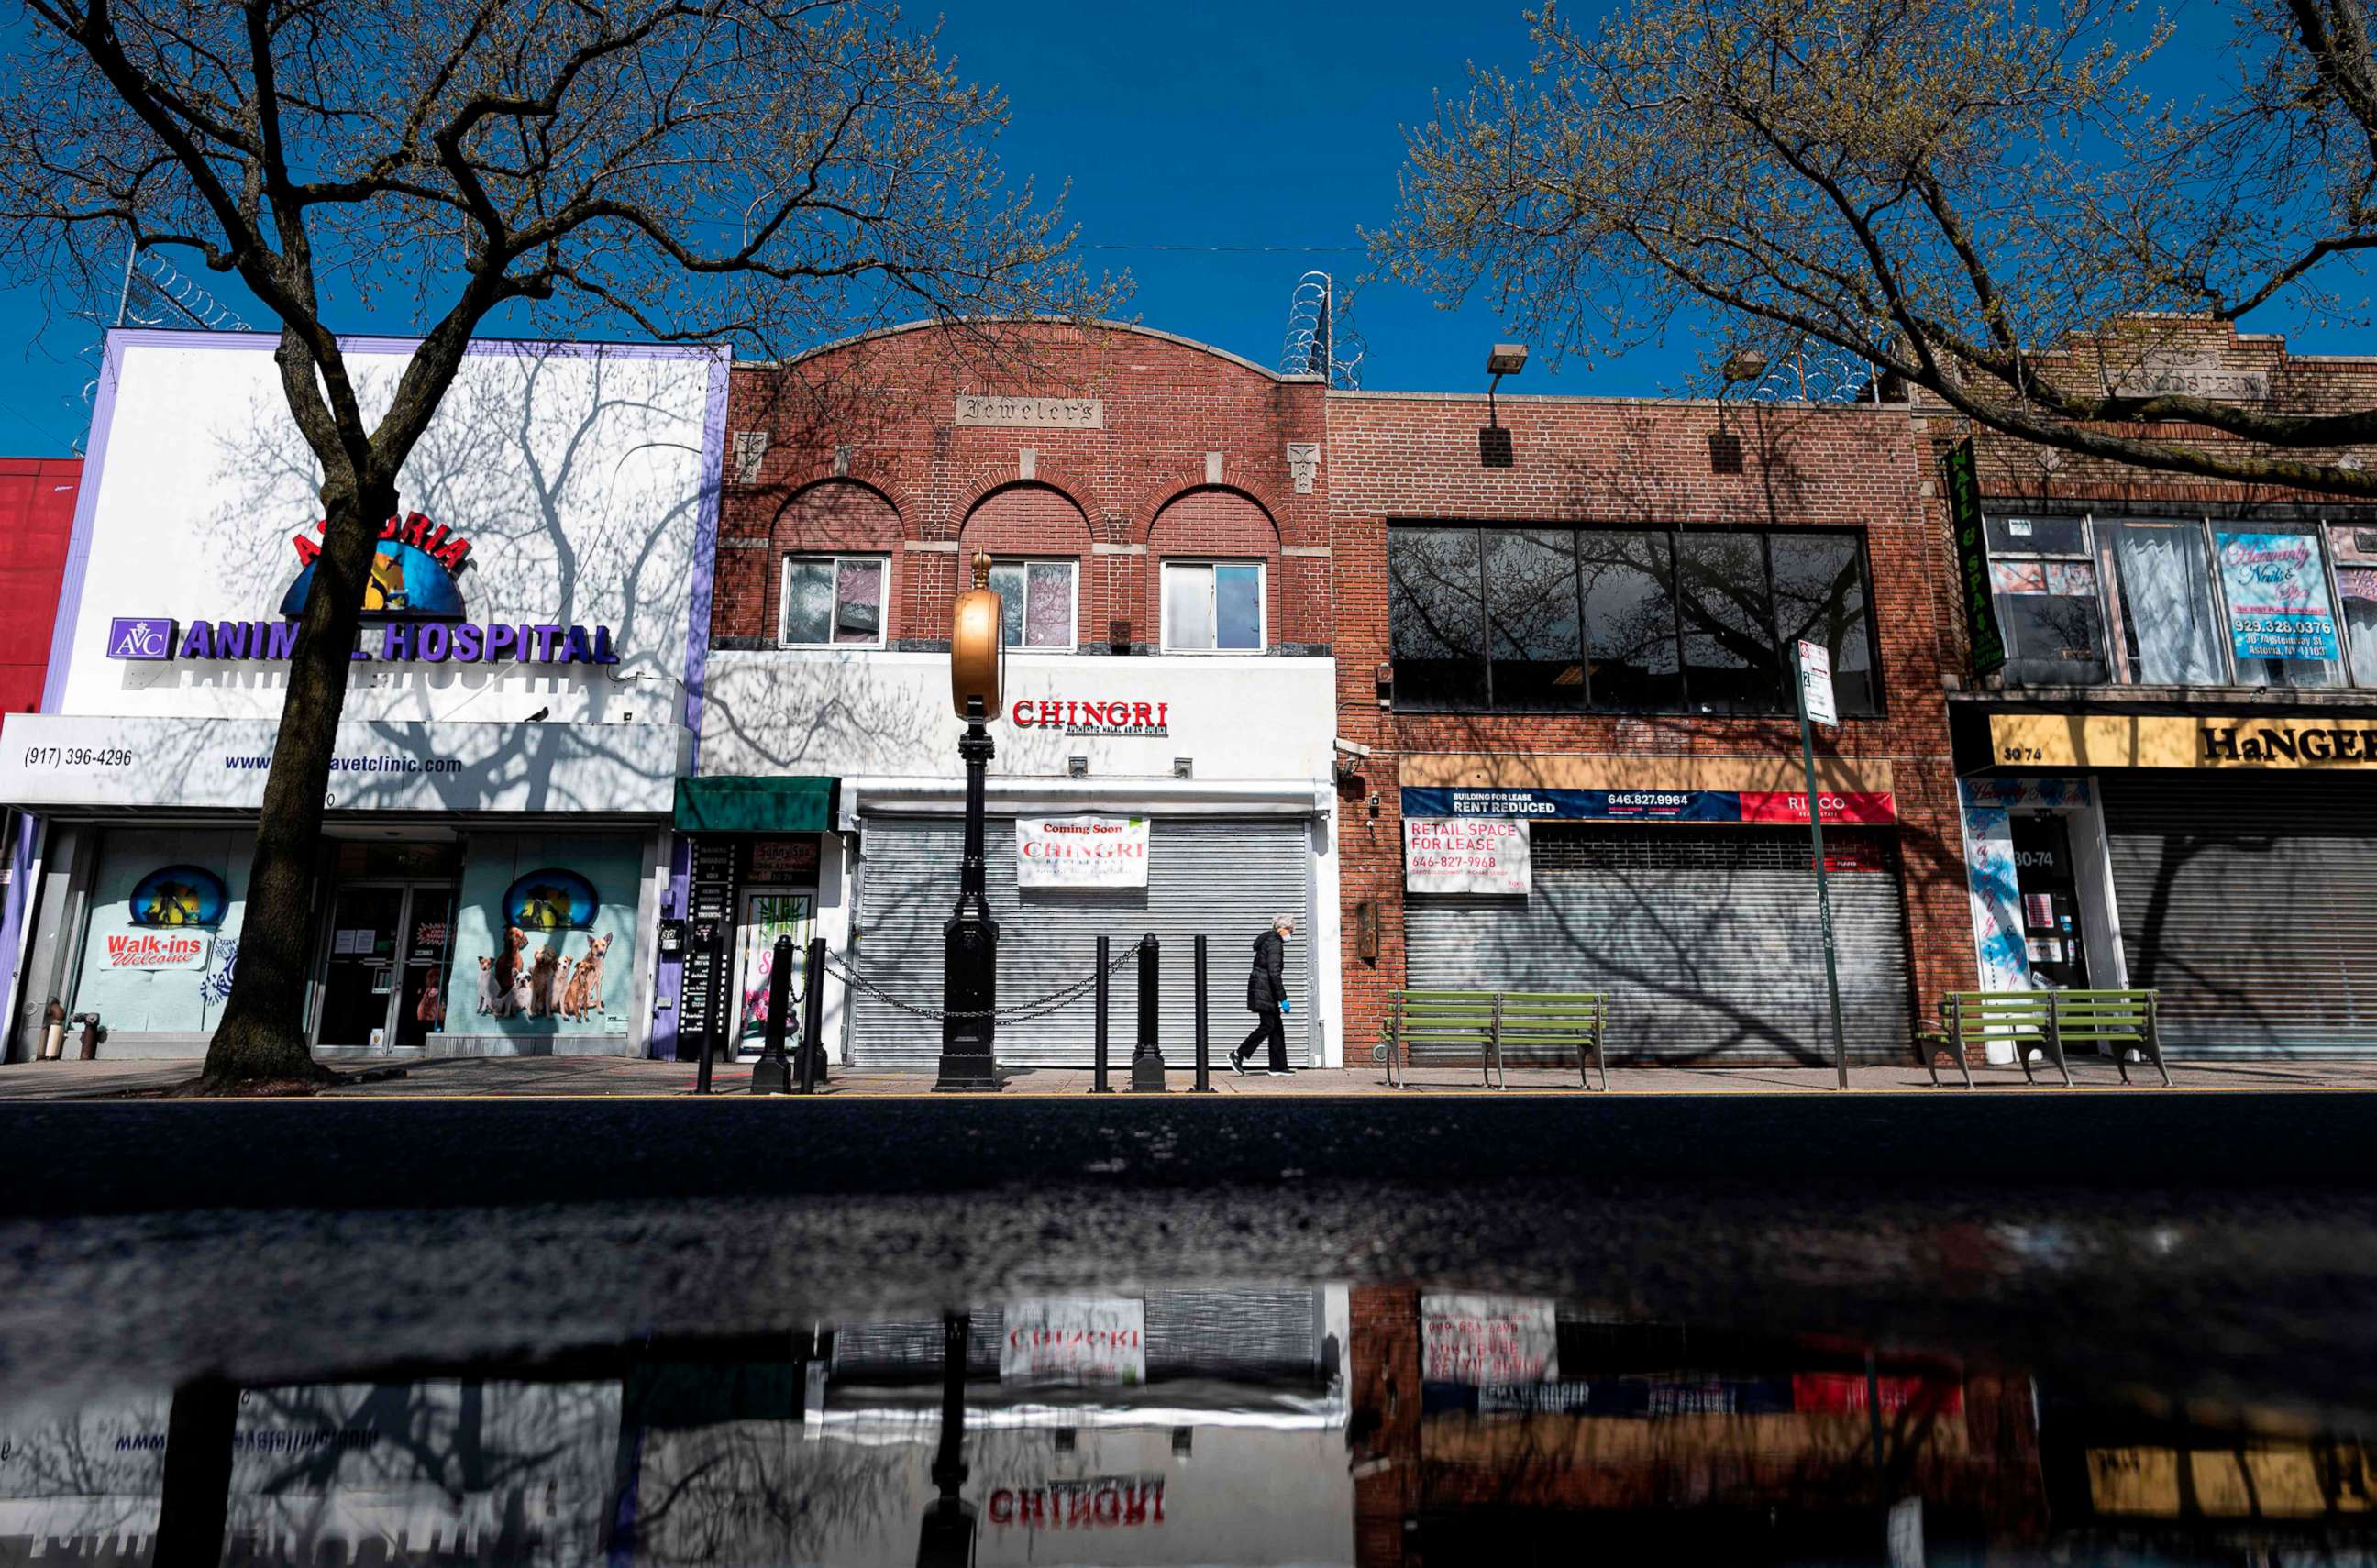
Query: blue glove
column 1283, row 1006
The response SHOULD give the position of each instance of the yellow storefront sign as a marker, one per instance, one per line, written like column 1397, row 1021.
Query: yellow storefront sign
column 2132, row 740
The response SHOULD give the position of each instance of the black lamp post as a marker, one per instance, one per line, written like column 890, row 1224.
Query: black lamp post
column 947, row 1538
column 970, row 937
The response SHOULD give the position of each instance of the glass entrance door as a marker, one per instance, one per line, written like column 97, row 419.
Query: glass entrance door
column 383, row 979
column 359, row 973
column 768, row 914
column 2050, row 901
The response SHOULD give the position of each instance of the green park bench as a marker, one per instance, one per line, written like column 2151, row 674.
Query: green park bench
column 1449, row 1028
column 2052, row 1021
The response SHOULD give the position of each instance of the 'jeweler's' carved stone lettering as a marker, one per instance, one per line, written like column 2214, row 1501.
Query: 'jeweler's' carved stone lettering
column 1031, row 414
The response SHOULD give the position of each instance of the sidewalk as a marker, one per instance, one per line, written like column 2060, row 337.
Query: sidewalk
column 614, row 1077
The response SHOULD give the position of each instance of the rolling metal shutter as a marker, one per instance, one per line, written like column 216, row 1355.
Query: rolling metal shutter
column 1705, row 938
column 1221, row 879
column 2246, row 903
column 1242, row 1334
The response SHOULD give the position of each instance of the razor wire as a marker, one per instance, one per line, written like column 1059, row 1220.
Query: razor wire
column 1020, row 1013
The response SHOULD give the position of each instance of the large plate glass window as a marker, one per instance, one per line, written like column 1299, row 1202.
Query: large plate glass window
column 2355, row 547
column 2048, row 602
column 1634, row 620
column 1728, row 622
column 1213, row 607
column 2160, row 607
column 1435, row 617
column 833, row 601
column 2281, row 623
column 1036, row 601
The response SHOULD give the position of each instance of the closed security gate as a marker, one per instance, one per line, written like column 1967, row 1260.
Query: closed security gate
column 2246, row 903
column 1705, row 939
column 1223, row 879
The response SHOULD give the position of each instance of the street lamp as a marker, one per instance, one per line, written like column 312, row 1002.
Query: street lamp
column 970, row 937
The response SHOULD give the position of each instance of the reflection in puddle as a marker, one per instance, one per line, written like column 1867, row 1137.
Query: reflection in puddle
column 1370, row 1425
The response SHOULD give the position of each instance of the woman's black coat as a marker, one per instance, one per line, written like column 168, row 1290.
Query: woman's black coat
column 1267, row 987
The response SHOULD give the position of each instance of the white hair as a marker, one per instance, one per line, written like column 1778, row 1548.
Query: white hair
column 1279, row 920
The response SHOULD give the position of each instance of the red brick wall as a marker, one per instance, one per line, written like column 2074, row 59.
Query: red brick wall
column 1575, row 461
column 880, row 413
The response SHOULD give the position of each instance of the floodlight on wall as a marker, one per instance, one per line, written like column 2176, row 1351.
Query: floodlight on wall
column 1494, row 442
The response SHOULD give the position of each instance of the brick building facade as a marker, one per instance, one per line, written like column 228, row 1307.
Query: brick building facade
column 1121, row 478
column 1694, row 473
column 2166, row 779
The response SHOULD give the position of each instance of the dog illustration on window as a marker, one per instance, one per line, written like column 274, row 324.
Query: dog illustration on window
column 581, row 994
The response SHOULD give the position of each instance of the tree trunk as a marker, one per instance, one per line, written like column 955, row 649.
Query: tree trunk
column 262, row 1034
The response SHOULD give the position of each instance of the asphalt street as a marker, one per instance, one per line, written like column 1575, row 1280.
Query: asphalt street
column 347, row 1154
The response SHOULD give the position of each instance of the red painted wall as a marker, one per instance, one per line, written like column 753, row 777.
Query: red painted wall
column 37, row 503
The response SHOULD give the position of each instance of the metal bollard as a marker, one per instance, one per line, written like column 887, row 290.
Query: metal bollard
column 772, row 1073
column 1147, row 1056
column 1098, row 1084
column 1205, row 1084
column 813, row 1021
column 708, row 1048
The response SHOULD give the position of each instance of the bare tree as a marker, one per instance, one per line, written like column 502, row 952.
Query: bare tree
column 755, row 171
column 1942, row 188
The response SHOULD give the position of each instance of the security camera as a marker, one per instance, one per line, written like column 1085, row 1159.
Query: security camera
column 1351, row 748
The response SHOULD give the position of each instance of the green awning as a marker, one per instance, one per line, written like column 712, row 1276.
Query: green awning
column 731, row 805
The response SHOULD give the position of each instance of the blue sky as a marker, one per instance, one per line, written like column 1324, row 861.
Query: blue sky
column 1223, row 124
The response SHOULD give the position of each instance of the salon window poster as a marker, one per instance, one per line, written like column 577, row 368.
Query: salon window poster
column 2276, row 586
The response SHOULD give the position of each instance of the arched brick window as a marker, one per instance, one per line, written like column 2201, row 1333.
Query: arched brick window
column 1040, row 542
column 1214, row 574
column 832, row 555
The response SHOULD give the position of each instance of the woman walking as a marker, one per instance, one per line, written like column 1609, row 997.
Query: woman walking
column 1266, row 998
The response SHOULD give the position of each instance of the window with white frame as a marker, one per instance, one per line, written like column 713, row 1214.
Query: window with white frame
column 1036, row 603
column 833, row 601
column 1213, row 607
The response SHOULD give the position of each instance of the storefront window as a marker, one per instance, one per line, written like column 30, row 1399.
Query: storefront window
column 1533, row 633
column 1624, row 621
column 161, row 939
column 833, row 601
column 2048, row 602
column 1213, row 607
column 2281, row 625
column 1435, row 617
column 2355, row 588
column 1036, row 601
column 1729, row 623
column 2159, row 582
column 1629, row 621
column 1820, row 597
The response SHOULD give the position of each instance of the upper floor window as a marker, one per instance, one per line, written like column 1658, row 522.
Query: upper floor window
column 833, row 601
column 1035, row 602
column 1213, row 607
column 2184, row 601
column 1625, row 620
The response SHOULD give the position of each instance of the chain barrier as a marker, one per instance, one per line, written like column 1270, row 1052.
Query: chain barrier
column 1022, row 1013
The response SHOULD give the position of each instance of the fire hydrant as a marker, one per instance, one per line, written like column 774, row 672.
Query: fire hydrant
column 91, row 1034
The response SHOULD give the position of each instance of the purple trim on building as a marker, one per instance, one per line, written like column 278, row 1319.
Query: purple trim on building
column 12, row 926
column 668, row 973
column 705, row 550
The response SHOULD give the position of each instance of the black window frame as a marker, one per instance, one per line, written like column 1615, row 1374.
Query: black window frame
column 1674, row 534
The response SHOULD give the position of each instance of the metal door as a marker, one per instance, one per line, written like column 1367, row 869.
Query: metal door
column 2246, row 902
column 1705, row 939
column 1224, row 879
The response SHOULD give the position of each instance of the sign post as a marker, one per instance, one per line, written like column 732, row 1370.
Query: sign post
column 1816, row 706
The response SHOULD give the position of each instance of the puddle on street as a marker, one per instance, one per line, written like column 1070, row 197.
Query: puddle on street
column 1336, row 1423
